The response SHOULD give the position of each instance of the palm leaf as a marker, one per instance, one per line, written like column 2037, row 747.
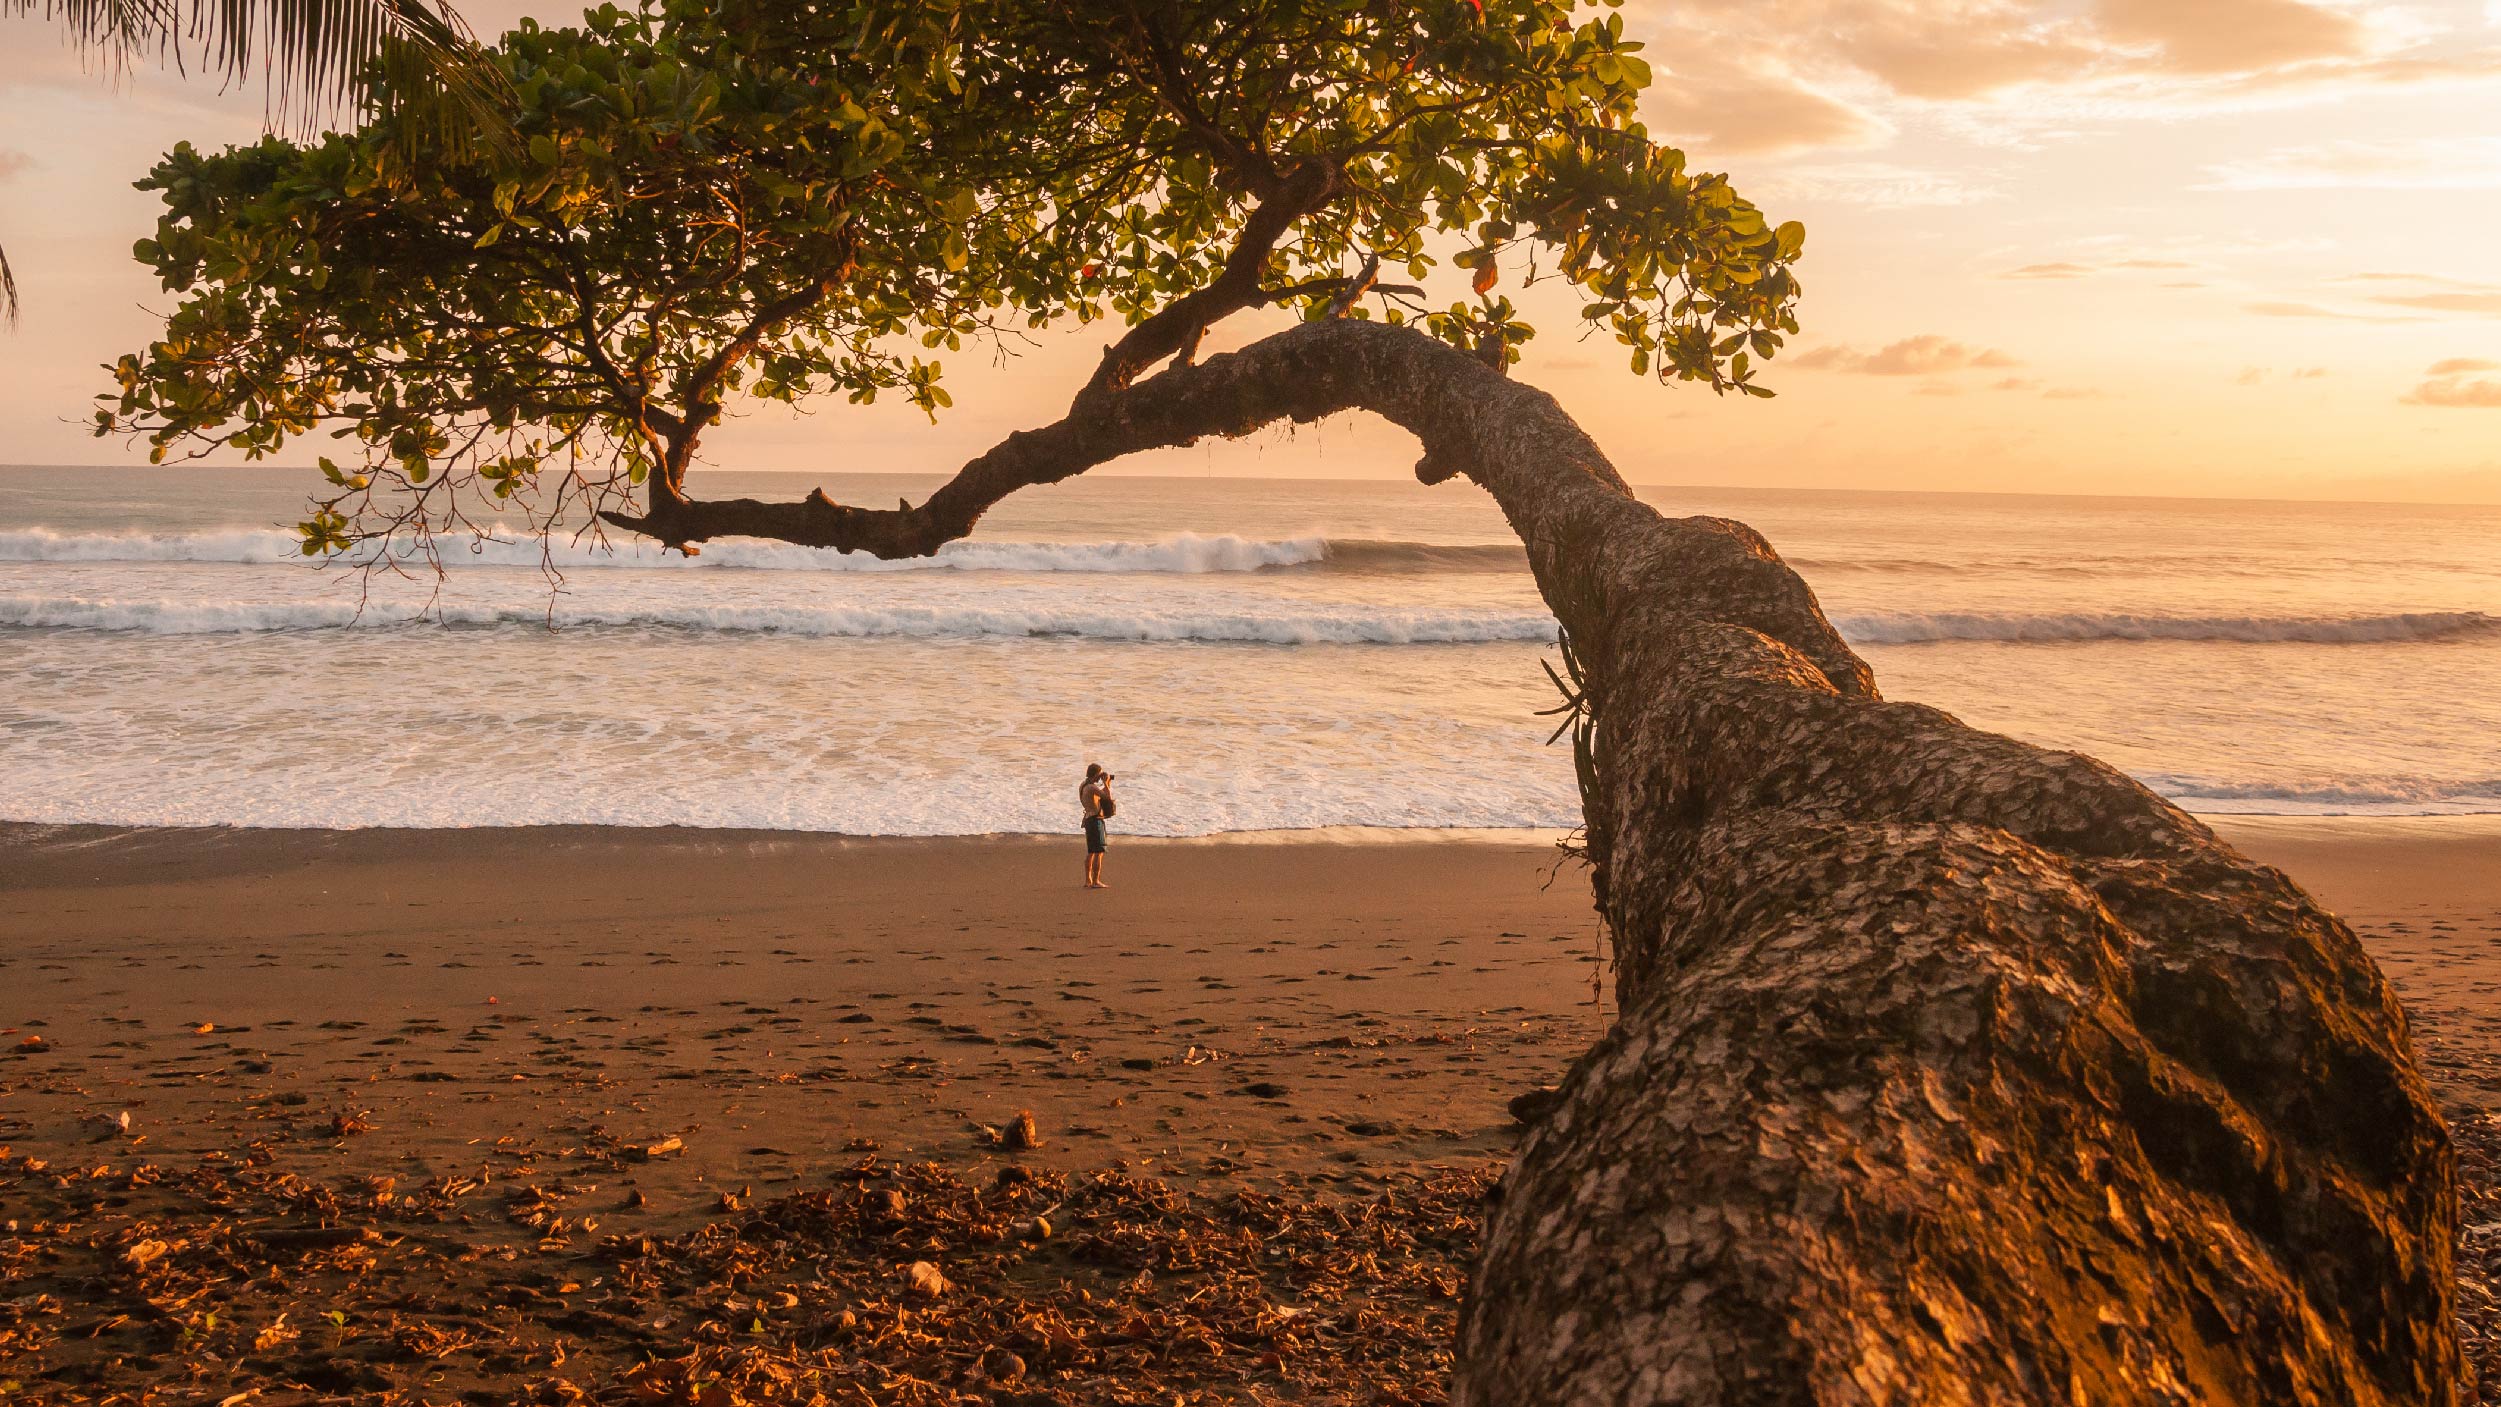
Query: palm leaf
column 411, row 58
column 309, row 53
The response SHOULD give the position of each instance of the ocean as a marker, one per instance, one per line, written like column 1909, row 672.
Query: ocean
column 1246, row 655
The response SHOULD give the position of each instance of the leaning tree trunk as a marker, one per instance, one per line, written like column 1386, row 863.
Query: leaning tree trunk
column 1949, row 1069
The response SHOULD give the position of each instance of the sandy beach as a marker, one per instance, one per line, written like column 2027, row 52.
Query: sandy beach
column 632, row 1035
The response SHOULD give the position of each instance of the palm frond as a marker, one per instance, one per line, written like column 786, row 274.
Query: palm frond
column 311, row 56
column 414, row 59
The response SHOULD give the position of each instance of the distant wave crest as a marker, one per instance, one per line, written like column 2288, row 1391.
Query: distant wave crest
column 2331, row 796
column 1925, row 628
column 1179, row 552
column 1324, row 625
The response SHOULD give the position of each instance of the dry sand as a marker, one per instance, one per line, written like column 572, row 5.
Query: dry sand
column 775, row 1000
column 456, row 1010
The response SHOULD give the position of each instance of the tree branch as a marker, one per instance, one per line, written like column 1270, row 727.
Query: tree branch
column 1236, row 287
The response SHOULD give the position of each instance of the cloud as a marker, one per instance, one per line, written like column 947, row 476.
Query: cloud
column 13, row 162
column 2015, row 383
column 1755, row 111
column 2385, row 276
column 1880, row 185
column 2068, row 268
column 2250, row 376
column 2234, row 36
column 1793, row 75
column 2458, row 392
column 2454, row 382
column 2419, row 163
column 2283, row 309
column 1925, row 355
column 2489, row 303
column 2436, row 293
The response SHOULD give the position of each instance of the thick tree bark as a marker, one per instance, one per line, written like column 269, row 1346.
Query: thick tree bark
column 1949, row 1070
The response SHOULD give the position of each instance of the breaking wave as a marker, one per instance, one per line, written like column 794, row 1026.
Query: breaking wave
column 1179, row 552
column 1925, row 628
column 1284, row 624
column 2331, row 796
column 1344, row 625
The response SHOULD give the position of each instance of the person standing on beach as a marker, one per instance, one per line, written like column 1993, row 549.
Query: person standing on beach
column 1094, row 797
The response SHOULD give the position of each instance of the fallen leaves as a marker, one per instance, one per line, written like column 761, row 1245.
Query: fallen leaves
column 926, row 1281
column 909, row 1285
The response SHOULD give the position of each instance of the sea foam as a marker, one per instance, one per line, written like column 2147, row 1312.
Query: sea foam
column 1350, row 625
column 1284, row 623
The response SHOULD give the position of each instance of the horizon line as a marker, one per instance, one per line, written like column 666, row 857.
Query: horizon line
column 310, row 470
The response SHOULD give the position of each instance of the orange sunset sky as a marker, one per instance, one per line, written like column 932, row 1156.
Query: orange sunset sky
column 2206, row 247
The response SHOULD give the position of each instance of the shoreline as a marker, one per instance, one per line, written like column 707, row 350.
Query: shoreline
column 2263, row 825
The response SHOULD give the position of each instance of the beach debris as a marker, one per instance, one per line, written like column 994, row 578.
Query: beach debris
column 104, row 1126
column 346, row 1123
column 204, row 1028
column 914, row 1285
column 32, row 1045
column 1024, row 1133
column 661, row 1149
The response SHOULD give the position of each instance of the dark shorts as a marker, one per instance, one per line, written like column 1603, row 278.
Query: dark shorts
column 1094, row 835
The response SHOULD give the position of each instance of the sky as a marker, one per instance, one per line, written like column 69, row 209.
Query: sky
column 2237, row 248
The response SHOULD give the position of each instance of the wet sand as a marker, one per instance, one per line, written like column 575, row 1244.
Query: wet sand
column 772, row 1000
column 779, row 1002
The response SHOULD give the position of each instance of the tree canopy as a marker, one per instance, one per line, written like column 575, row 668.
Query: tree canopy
column 721, row 199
